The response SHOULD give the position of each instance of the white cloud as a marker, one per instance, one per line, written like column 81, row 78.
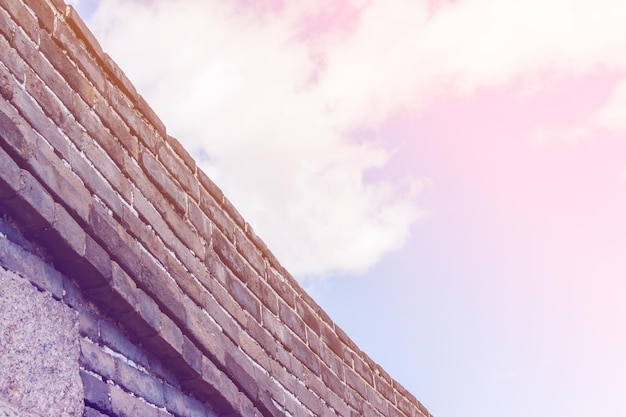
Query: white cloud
column 272, row 94
column 239, row 86
column 612, row 116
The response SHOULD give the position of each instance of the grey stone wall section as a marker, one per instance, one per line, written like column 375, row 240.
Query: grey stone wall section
column 39, row 350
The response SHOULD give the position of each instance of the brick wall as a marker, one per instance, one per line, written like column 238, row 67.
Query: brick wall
column 183, row 309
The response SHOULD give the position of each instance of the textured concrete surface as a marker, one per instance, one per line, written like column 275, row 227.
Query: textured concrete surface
column 39, row 350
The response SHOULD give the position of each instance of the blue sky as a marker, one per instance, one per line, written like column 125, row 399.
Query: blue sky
column 447, row 178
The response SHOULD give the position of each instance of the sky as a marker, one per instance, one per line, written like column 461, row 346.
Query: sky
column 446, row 178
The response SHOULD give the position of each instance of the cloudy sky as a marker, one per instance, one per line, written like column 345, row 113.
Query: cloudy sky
column 447, row 178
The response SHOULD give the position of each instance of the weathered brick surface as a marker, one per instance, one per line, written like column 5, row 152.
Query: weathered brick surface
column 183, row 309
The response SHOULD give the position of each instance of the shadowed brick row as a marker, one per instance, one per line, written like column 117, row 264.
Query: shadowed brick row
column 89, row 173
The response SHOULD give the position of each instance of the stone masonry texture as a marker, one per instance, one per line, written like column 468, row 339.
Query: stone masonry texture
column 106, row 220
column 38, row 351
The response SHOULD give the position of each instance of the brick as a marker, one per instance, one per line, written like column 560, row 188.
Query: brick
column 213, row 210
column 59, row 4
column 7, row 26
column 40, row 274
column 32, row 207
column 115, row 338
column 119, row 80
column 192, row 355
column 25, row 20
column 310, row 400
column 145, row 318
column 266, row 294
column 182, row 405
column 126, row 405
column 13, row 133
column 64, row 66
column 149, row 214
column 88, row 325
column 45, row 14
column 156, row 282
column 331, row 380
column 185, row 233
column 199, row 220
column 262, row 336
column 82, row 31
column 162, row 180
column 302, row 352
column 225, row 393
column 140, row 383
column 96, row 268
column 332, row 341
column 233, row 213
column 292, row 320
column 78, row 53
column 228, row 254
column 94, row 359
column 96, row 391
column 121, row 247
column 182, row 153
column 308, row 315
column 181, row 172
column 139, row 127
column 91, row 412
column 7, row 84
column 282, row 287
column 10, row 174
column 11, row 61
column 64, row 239
column 101, row 158
column 253, row 350
column 168, row 343
column 63, row 183
column 276, row 328
column 377, row 401
column 207, row 334
column 354, row 381
column 249, row 252
column 331, row 360
column 363, row 369
column 262, row 247
column 384, row 388
column 32, row 102
column 115, row 296
column 147, row 112
column 112, row 121
column 241, row 370
column 244, row 298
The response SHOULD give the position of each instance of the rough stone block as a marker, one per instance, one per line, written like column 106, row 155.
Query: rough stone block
column 38, row 351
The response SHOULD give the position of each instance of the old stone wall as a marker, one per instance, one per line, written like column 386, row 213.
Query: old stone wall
column 38, row 351
column 60, row 356
column 183, row 310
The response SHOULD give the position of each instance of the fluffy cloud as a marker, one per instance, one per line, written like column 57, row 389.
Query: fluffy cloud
column 268, row 96
column 239, row 86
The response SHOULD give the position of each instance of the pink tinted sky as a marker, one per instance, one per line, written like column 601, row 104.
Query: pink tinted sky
column 508, row 297
column 447, row 178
